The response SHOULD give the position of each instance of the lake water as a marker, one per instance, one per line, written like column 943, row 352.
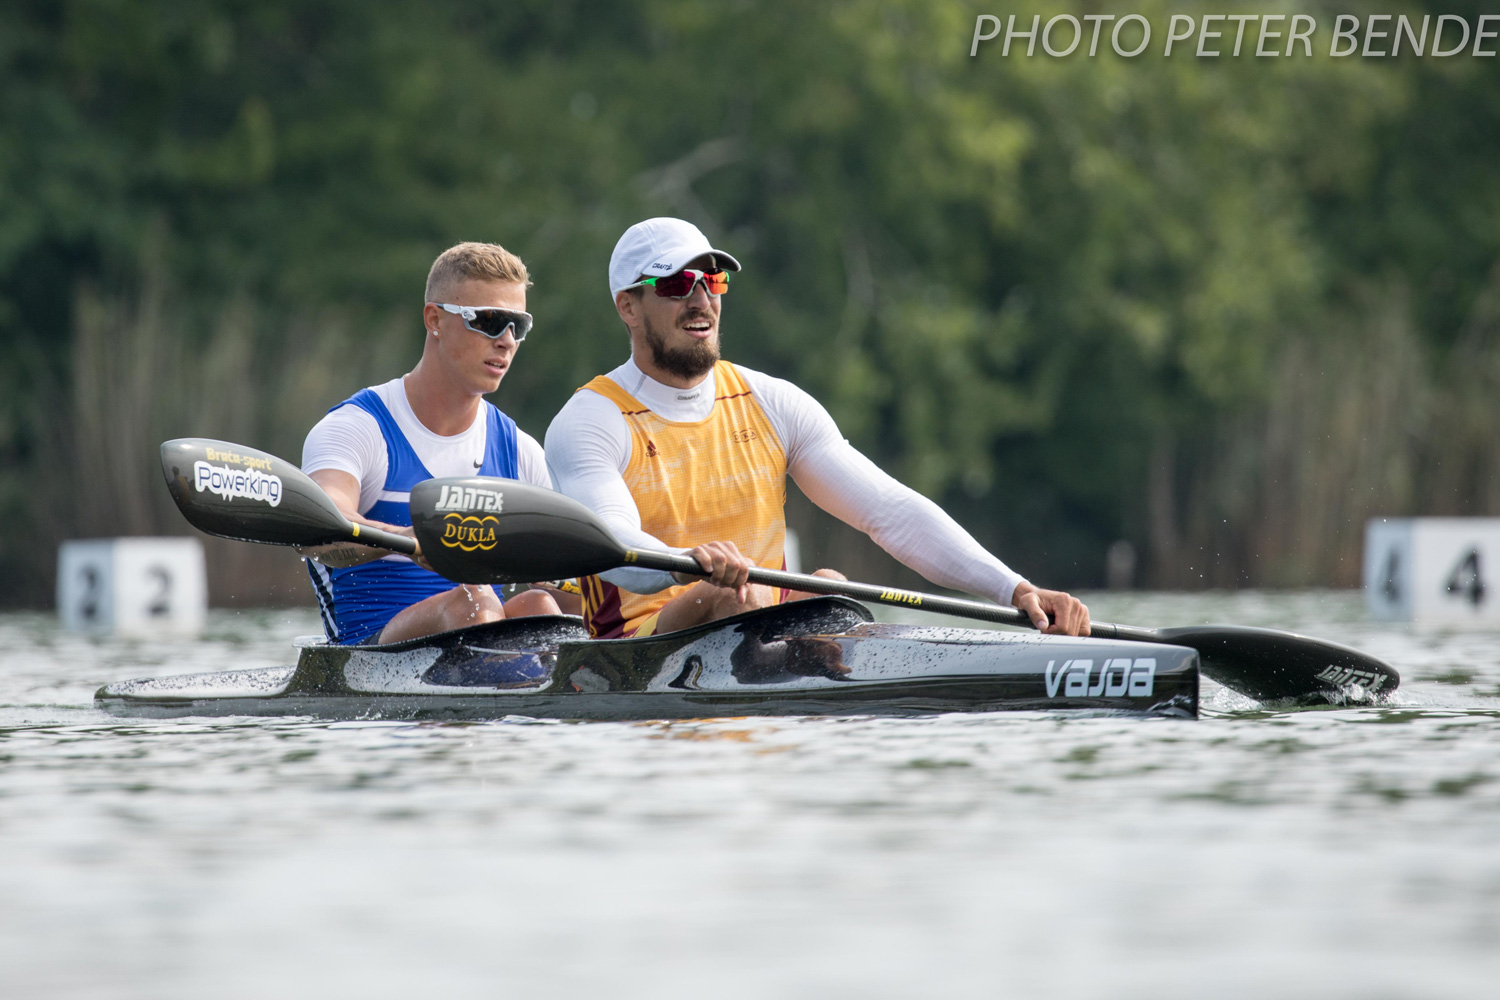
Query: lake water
column 1334, row 853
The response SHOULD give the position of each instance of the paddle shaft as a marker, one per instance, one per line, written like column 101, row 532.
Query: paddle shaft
column 485, row 530
column 955, row 606
column 364, row 534
column 1263, row 663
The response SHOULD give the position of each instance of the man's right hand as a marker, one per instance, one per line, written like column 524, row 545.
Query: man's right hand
column 1052, row 611
column 725, row 565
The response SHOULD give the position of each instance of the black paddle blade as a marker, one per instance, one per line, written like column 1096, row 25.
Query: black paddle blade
column 477, row 529
column 1269, row 665
column 237, row 492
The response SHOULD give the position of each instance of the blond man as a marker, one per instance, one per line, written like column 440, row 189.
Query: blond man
column 370, row 450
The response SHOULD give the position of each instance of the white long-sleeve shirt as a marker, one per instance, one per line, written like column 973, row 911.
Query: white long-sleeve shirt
column 588, row 448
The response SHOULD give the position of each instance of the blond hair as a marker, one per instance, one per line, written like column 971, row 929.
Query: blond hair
column 473, row 262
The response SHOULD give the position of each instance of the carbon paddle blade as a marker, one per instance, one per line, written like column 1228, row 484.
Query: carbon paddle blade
column 1270, row 665
column 477, row 529
column 237, row 492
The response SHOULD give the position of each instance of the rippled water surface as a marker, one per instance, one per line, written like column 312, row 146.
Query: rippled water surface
column 1334, row 853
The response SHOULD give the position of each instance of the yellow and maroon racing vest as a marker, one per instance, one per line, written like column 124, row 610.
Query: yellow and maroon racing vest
column 718, row 479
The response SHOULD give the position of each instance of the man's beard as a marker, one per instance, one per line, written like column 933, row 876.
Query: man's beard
column 691, row 361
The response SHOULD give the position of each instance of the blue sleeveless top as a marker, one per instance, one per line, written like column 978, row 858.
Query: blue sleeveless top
column 358, row 601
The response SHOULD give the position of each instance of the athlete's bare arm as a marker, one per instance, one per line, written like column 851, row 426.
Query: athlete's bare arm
column 343, row 490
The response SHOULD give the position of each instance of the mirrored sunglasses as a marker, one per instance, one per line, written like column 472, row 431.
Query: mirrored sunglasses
column 681, row 284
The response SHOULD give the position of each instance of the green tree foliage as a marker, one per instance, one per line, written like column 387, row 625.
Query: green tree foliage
column 1076, row 299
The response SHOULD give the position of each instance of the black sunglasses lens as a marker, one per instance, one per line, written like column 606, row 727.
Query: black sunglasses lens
column 494, row 323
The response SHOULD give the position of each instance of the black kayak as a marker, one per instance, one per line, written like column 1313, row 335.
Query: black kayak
column 824, row 656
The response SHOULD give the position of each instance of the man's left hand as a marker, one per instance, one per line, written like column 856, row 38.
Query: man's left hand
column 1052, row 611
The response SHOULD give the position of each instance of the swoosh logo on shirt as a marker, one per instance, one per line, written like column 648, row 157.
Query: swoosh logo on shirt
column 478, row 463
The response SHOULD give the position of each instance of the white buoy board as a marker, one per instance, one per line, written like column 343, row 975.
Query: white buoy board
column 132, row 586
column 1433, row 569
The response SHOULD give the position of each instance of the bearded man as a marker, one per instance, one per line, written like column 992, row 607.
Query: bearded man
column 680, row 451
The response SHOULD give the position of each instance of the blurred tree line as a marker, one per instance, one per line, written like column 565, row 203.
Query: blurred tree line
column 1223, row 309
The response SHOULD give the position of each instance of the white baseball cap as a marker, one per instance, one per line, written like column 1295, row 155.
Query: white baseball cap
column 659, row 247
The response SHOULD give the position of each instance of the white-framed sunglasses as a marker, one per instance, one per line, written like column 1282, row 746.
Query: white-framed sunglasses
column 492, row 321
column 681, row 284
